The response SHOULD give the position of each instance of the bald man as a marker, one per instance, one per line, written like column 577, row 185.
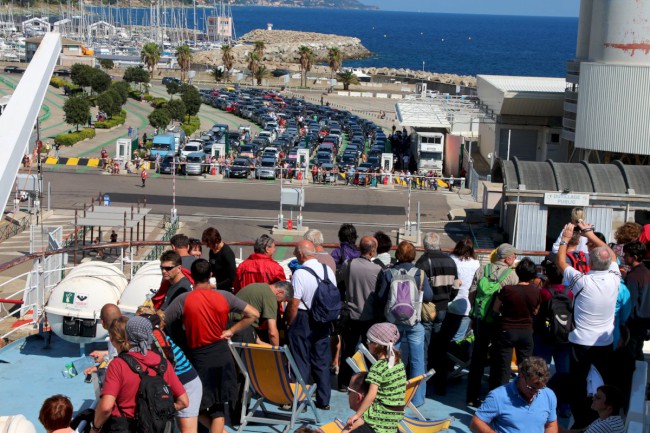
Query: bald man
column 108, row 313
column 309, row 342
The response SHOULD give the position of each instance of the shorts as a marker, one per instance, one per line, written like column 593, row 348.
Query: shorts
column 194, row 390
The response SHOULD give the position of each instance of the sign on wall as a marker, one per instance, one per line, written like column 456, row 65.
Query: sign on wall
column 566, row 199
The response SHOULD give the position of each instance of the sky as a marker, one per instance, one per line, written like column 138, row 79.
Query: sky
column 561, row 8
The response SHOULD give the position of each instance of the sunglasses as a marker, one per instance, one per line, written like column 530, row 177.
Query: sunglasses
column 533, row 389
column 352, row 390
column 167, row 268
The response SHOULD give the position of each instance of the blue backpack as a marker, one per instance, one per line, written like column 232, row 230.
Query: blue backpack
column 326, row 303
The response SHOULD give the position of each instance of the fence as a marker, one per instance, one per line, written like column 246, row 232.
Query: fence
column 171, row 227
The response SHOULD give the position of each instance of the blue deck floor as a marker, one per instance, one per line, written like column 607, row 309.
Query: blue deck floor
column 30, row 371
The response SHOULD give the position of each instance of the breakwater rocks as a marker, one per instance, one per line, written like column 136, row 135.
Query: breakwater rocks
column 281, row 46
column 461, row 80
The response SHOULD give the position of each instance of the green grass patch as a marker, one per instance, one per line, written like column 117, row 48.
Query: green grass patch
column 191, row 125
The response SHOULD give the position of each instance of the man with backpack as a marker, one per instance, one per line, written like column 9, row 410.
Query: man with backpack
column 594, row 304
column 401, row 290
column 488, row 280
column 442, row 273
column 315, row 305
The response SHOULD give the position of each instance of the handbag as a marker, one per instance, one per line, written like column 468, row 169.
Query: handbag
column 428, row 312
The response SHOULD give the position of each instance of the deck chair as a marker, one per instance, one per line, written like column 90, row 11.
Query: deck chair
column 335, row 426
column 412, row 425
column 412, row 385
column 460, row 355
column 361, row 359
column 266, row 370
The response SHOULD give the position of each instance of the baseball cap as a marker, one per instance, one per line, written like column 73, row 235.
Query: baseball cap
column 506, row 250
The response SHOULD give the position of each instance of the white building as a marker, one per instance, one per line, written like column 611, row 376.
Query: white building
column 606, row 113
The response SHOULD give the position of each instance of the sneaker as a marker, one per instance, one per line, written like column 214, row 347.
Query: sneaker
column 323, row 407
column 286, row 407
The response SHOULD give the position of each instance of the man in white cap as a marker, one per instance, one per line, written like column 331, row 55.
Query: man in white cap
column 504, row 258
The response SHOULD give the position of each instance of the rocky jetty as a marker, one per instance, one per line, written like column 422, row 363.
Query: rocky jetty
column 281, row 46
column 461, row 80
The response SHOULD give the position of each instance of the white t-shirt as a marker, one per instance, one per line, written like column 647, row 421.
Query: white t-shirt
column 466, row 271
column 594, row 304
column 304, row 284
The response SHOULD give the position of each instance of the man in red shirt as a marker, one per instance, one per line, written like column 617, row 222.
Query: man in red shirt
column 203, row 314
column 259, row 267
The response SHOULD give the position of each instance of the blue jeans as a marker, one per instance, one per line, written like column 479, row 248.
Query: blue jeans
column 411, row 347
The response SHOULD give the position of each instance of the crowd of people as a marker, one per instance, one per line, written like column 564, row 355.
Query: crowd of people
column 586, row 307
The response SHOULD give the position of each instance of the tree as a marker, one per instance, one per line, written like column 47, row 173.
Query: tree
column 136, row 74
column 184, row 58
column 228, row 59
column 192, row 99
column 100, row 81
column 172, row 88
column 260, row 46
column 76, row 110
column 253, row 63
column 81, row 74
column 335, row 57
column 176, row 109
column 121, row 88
column 261, row 73
column 160, row 118
column 347, row 78
column 150, row 55
column 106, row 102
column 106, row 63
column 306, row 62
column 218, row 74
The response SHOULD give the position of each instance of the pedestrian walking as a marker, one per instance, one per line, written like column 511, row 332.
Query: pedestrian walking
column 144, row 175
column 130, row 130
column 57, row 146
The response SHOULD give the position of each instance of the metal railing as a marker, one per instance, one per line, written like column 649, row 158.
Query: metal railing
column 14, row 227
column 171, row 227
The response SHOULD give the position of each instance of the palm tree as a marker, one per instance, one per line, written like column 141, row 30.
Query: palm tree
column 253, row 64
column 335, row 56
column 228, row 59
column 261, row 73
column 260, row 46
column 347, row 78
column 150, row 55
column 306, row 62
column 184, row 58
column 218, row 74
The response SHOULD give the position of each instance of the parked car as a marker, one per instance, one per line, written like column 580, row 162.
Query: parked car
column 192, row 147
column 62, row 72
column 195, row 163
column 167, row 80
column 167, row 164
column 14, row 70
column 241, row 167
column 266, row 169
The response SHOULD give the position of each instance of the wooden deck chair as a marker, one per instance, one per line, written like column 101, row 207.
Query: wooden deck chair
column 412, row 425
column 412, row 385
column 266, row 369
column 360, row 361
column 335, row 426
column 442, row 184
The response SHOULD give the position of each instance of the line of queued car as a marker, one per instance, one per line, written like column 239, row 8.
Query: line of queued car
column 325, row 128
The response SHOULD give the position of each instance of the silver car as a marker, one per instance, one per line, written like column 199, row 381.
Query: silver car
column 194, row 163
column 266, row 169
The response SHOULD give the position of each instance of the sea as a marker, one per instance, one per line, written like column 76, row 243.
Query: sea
column 444, row 43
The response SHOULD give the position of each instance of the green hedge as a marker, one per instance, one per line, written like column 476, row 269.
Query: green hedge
column 117, row 119
column 192, row 125
column 74, row 137
column 158, row 102
column 148, row 97
column 58, row 83
column 135, row 94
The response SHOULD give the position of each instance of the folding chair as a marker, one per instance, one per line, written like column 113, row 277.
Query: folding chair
column 266, row 370
column 335, row 426
column 357, row 362
column 460, row 353
column 412, row 385
column 412, row 425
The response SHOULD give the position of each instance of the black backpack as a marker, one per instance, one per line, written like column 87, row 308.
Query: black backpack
column 154, row 403
column 326, row 303
column 559, row 317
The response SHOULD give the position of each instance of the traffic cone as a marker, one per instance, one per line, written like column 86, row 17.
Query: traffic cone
column 289, row 224
column 213, row 172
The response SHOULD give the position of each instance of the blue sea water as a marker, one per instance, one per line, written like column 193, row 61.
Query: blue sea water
column 446, row 43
